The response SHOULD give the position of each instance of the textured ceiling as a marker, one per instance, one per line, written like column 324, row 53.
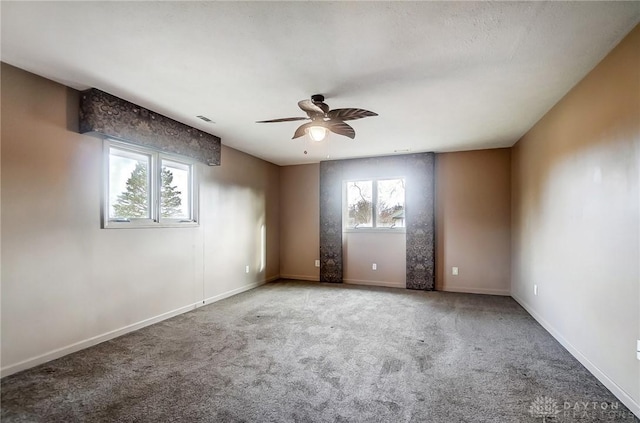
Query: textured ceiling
column 442, row 76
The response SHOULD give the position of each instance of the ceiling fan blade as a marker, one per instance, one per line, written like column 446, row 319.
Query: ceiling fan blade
column 282, row 120
column 349, row 114
column 340, row 128
column 302, row 129
column 310, row 107
column 324, row 106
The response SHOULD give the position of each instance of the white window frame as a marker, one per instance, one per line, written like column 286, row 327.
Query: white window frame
column 374, row 208
column 156, row 221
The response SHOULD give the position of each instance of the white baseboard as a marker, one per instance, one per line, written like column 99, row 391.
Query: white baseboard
column 620, row 393
column 301, row 277
column 375, row 283
column 272, row 279
column 472, row 290
column 86, row 343
column 233, row 292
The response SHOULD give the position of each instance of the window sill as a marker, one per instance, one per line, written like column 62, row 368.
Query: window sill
column 375, row 230
column 147, row 225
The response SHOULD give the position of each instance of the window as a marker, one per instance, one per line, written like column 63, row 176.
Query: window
column 175, row 198
column 374, row 204
column 145, row 188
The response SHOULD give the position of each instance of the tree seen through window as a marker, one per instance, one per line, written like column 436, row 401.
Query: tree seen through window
column 134, row 201
column 375, row 203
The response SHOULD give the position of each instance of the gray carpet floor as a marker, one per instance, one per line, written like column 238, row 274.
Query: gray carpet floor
column 310, row 352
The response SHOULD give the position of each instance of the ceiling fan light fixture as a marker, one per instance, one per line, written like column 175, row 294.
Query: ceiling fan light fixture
column 317, row 133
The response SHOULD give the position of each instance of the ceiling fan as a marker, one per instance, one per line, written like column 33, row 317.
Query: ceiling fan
column 323, row 119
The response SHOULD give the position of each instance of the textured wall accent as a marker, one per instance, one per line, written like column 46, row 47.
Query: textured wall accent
column 109, row 115
column 331, row 221
column 420, row 222
column 418, row 170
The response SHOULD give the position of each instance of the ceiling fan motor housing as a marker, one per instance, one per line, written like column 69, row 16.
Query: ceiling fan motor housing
column 317, row 98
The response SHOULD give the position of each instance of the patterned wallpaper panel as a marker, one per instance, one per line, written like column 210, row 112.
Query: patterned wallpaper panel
column 420, row 221
column 331, row 221
column 111, row 116
column 418, row 170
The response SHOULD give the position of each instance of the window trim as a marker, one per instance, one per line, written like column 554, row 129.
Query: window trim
column 155, row 168
column 374, row 201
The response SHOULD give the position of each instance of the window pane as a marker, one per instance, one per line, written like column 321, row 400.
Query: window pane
column 129, row 192
column 174, row 191
column 390, row 206
column 359, row 204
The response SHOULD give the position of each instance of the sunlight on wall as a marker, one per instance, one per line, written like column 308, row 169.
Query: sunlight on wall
column 263, row 247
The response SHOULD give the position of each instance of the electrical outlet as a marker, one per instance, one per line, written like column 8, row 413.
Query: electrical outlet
column 374, row 266
column 535, row 289
column 454, row 271
column 246, row 269
column 317, row 263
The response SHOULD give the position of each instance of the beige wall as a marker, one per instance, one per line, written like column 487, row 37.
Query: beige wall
column 473, row 221
column 387, row 250
column 473, row 201
column 300, row 221
column 66, row 283
column 300, row 242
column 576, row 220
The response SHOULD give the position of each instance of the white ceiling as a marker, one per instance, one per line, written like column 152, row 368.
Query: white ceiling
column 443, row 76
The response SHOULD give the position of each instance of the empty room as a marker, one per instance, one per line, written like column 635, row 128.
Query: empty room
column 320, row 211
